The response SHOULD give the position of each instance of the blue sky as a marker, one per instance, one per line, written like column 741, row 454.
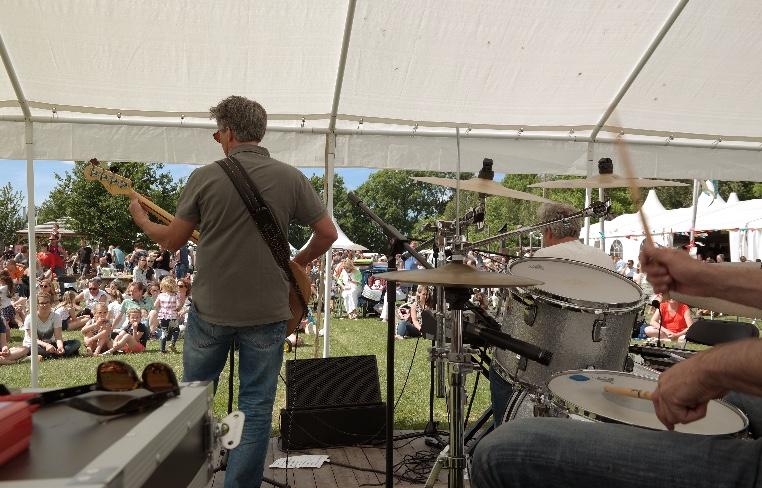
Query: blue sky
column 15, row 172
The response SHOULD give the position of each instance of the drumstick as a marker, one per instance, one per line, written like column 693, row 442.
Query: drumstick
column 635, row 195
column 629, row 392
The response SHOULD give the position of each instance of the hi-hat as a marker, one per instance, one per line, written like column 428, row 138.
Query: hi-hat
column 459, row 274
column 606, row 181
column 481, row 185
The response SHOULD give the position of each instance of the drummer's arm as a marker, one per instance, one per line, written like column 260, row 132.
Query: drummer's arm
column 685, row 389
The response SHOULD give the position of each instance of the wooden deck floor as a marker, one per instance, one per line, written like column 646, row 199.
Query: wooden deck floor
column 333, row 475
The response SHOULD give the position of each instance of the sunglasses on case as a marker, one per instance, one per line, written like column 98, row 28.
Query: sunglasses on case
column 112, row 376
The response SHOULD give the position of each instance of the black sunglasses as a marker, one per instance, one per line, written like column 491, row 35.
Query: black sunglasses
column 113, row 376
column 116, row 376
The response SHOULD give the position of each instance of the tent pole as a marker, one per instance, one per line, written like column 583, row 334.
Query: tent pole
column 602, row 221
column 588, row 191
column 639, row 67
column 694, row 212
column 31, row 218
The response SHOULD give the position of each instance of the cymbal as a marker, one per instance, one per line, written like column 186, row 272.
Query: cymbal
column 459, row 274
column 606, row 181
column 480, row 185
column 717, row 305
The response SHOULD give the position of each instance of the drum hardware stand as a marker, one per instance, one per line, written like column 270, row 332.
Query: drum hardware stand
column 397, row 244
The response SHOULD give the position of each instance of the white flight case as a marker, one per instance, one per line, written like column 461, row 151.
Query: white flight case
column 170, row 446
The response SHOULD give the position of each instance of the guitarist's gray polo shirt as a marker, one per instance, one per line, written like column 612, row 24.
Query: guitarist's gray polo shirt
column 238, row 282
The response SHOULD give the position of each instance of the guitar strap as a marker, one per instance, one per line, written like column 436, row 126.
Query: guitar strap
column 263, row 218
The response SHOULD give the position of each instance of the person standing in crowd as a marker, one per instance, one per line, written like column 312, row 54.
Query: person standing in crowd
column 560, row 240
column 162, row 263
column 240, row 292
column 166, row 307
column 182, row 257
column 629, row 269
column 550, row 452
column 350, row 285
column 118, row 258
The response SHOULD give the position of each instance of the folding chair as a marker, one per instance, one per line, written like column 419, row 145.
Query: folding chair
column 712, row 332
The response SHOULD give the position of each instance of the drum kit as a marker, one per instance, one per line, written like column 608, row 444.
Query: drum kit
column 564, row 335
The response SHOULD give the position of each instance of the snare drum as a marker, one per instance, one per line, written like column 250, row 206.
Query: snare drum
column 583, row 314
column 581, row 392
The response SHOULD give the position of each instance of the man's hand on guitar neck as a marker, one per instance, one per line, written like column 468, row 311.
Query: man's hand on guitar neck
column 139, row 215
column 170, row 236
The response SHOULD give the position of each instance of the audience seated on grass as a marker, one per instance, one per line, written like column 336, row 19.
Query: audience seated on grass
column 49, row 336
column 97, row 332
column 133, row 337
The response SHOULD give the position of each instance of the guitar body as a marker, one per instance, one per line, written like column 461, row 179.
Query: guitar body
column 297, row 310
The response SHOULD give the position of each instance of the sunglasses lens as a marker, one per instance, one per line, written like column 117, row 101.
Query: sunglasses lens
column 159, row 377
column 117, row 376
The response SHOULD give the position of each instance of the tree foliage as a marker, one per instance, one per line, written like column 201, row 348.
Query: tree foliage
column 297, row 234
column 398, row 200
column 11, row 214
column 104, row 218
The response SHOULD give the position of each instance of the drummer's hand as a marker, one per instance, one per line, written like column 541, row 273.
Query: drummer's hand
column 682, row 393
column 672, row 269
column 138, row 213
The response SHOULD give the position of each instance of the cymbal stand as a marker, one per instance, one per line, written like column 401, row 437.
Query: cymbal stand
column 460, row 364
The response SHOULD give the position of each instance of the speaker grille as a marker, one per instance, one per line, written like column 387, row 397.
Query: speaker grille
column 332, row 382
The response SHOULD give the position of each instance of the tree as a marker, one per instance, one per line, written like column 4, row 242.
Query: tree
column 297, row 234
column 104, row 218
column 398, row 200
column 11, row 214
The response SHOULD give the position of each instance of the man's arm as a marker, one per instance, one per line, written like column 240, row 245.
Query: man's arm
column 324, row 234
column 170, row 236
column 685, row 389
column 670, row 269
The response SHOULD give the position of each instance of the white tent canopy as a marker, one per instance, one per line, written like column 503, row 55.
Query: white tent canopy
column 342, row 242
column 528, row 84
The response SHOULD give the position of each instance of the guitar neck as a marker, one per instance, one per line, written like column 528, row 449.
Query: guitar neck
column 161, row 214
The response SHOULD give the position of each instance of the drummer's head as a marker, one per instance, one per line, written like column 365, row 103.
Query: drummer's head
column 563, row 231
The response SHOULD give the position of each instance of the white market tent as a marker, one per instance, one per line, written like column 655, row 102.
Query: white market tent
column 742, row 220
column 433, row 85
column 342, row 241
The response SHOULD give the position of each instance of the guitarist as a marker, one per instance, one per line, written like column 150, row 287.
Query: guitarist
column 240, row 293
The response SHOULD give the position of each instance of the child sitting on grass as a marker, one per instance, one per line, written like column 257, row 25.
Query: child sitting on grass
column 97, row 332
column 133, row 337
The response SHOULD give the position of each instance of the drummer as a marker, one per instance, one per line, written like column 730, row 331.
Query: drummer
column 559, row 240
column 541, row 452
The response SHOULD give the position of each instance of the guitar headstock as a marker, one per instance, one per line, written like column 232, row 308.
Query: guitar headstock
column 112, row 182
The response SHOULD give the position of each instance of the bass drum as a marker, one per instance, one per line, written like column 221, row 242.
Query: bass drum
column 583, row 314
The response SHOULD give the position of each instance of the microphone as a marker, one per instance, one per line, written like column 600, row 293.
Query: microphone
column 505, row 341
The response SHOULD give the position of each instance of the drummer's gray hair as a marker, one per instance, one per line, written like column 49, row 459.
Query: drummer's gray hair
column 554, row 211
column 247, row 118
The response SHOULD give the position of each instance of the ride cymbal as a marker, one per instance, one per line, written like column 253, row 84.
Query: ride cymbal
column 606, row 181
column 459, row 274
column 480, row 185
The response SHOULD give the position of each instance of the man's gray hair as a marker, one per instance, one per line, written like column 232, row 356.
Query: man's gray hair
column 553, row 211
column 245, row 117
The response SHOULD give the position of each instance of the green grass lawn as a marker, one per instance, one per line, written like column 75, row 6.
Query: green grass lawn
column 348, row 337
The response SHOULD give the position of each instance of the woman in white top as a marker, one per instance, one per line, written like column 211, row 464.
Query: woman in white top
column 49, row 338
column 350, row 282
column 91, row 295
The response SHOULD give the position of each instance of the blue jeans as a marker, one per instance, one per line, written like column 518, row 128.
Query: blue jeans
column 500, row 392
column 181, row 270
column 545, row 452
column 260, row 357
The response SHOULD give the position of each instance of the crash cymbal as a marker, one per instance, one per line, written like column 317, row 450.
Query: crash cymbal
column 606, row 181
column 480, row 185
column 717, row 305
column 459, row 274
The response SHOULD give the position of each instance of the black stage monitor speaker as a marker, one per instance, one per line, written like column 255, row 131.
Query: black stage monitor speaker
column 332, row 402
